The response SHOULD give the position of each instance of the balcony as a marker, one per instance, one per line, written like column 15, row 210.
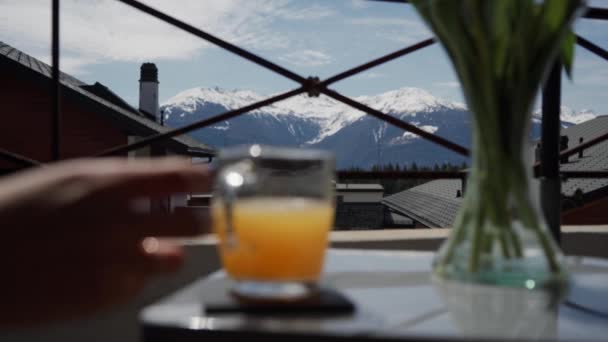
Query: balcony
column 120, row 324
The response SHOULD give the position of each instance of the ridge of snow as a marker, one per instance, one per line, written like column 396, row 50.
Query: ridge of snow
column 406, row 137
column 329, row 114
column 403, row 100
column 569, row 115
column 188, row 100
column 408, row 100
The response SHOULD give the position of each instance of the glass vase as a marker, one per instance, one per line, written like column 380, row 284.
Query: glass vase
column 500, row 236
column 501, row 51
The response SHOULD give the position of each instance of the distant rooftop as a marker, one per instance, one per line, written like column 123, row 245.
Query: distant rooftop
column 594, row 158
column 359, row 187
column 435, row 204
column 426, row 205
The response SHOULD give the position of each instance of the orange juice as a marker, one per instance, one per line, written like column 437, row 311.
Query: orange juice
column 277, row 239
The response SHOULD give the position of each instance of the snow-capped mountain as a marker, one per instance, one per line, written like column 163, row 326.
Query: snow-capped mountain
column 408, row 101
column 357, row 139
column 327, row 114
column 569, row 115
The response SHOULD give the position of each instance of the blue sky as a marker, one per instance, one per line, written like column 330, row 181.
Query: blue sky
column 106, row 41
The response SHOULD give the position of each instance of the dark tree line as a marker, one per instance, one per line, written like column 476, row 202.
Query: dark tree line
column 392, row 186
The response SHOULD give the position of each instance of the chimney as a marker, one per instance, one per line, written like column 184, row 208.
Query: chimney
column 580, row 141
column 148, row 91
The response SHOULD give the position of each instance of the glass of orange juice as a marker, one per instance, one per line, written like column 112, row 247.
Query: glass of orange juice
column 272, row 210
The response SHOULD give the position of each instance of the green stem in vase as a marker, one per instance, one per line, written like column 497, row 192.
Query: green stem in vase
column 528, row 217
column 501, row 50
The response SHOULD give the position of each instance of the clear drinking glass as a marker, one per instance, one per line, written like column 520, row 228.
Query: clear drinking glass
column 272, row 210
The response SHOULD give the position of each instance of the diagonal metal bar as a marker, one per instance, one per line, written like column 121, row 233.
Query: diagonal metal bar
column 395, row 1
column 583, row 146
column 17, row 158
column 215, row 40
column 592, row 47
column 378, row 61
column 200, row 124
column 596, row 13
column 574, row 150
column 584, row 174
column 397, row 122
column 309, row 84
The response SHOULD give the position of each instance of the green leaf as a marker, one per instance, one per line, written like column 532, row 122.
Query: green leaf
column 555, row 12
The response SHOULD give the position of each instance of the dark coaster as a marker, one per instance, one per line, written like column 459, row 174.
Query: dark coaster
column 325, row 301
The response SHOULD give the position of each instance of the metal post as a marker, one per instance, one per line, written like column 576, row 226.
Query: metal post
column 55, row 86
column 550, row 135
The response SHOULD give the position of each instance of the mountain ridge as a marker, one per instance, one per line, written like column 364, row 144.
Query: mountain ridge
column 356, row 138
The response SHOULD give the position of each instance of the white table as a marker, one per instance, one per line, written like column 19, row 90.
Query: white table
column 396, row 299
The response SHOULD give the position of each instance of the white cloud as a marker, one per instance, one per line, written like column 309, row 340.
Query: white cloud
column 308, row 58
column 448, row 84
column 404, row 31
column 384, row 21
column 369, row 75
column 403, row 36
column 103, row 31
column 69, row 64
column 313, row 12
column 359, row 4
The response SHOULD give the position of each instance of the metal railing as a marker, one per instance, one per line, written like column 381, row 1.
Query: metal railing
column 313, row 86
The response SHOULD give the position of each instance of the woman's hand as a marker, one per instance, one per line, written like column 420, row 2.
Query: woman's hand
column 74, row 238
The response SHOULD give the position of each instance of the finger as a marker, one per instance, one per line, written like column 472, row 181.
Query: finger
column 150, row 177
column 126, row 217
column 147, row 257
column 158, row 224
column 108, row 180
column 75, row 170
column 93, row 184
column 162, row 256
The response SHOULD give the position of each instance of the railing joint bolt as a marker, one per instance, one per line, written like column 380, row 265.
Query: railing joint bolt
column 312, row 86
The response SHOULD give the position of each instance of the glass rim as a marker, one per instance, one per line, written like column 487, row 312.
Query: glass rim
column 259, row 151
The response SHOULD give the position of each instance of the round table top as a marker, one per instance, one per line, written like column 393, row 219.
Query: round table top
column 396, row 298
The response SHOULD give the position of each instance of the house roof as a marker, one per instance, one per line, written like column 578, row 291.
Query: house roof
column 594, row 158
column 396, row 219
column 98, row 98
column 107, row 94
column 434, row 203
